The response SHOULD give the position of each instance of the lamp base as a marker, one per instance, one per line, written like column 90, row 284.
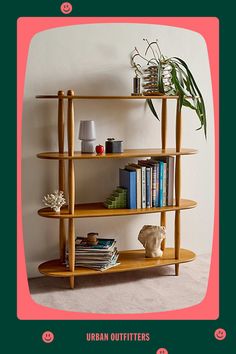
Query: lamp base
column 87, row 146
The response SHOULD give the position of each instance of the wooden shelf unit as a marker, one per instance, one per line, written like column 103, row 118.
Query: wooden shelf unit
column 130, row 260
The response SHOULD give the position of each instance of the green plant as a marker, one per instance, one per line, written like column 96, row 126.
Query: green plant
column 174, row 78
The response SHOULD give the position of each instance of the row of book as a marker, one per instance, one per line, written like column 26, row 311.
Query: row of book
column 149, row 183
column 101, row 256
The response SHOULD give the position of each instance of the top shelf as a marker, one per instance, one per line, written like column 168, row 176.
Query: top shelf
column 75, row 97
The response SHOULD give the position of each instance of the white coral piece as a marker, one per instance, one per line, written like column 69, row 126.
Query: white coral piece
column 54, row 200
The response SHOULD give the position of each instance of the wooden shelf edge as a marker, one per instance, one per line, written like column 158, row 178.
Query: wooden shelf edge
column 129, row 261
column 128, row 153
column 119, row 97
column 98, row 210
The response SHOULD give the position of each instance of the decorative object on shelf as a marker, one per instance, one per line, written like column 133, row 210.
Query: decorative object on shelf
column 136, row 85
column 151, row 237
column 114, row 146
column 87, row 134
column 150, row 80
column 55, row 200
column 92, row 238
column 98, row 256
column 117, row 200
column 171, row 76
column 99, row 149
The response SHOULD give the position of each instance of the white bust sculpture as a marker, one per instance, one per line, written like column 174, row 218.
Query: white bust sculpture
column 151, row 237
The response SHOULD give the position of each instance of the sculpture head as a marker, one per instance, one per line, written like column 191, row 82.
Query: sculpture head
column 151, row 237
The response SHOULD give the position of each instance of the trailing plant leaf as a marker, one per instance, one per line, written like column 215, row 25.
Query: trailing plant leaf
column 186, row 103
column 201, row 111
column 150, row 104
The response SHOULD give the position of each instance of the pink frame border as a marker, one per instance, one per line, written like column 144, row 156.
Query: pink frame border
column 27, row 309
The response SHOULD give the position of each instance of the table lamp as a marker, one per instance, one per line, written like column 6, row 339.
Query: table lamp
column 87, row 134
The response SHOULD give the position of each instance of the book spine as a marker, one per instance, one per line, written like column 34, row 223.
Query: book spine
column 154, row 184
column 167, row 178
column 151, row 169
column 171, row 181
column 164, row 184
column 133, row 190
column 139, row 191
column 157, row 185
column 161, row 172
column 148, row 187
column 143, row 169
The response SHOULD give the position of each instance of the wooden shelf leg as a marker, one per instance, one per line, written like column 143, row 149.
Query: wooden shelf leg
column 163, row 223
column 71, row 185
column 163, row 123
column 62, row 239
column 70, row 138
column 177, row 185
column 177, row 240
column 71, row 242
column 61, row 171
column 72, row 282
column 163, row 144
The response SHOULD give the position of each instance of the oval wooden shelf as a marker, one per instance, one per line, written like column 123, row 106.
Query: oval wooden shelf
column 126, row 154
column 98, row 210
column 127, row 97
column 130, row 260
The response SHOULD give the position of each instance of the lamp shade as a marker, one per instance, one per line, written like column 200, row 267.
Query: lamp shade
column 87, row 130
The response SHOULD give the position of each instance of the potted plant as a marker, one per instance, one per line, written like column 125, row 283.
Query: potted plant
column 168, row 76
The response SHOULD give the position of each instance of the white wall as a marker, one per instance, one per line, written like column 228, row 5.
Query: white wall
column 94, row 60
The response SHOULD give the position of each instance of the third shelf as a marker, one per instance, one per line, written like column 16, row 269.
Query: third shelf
column 98, row 210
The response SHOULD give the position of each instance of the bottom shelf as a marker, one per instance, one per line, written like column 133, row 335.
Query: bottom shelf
column 130, row 260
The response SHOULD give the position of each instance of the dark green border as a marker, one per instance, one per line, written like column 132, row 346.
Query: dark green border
column 182, row 337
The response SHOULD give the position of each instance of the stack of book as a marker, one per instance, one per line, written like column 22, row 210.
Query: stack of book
column 101, row 256
column 149, row 183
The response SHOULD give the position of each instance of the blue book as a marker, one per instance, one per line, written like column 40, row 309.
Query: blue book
column 161, row 180
column 128, row 180
column 148, row 187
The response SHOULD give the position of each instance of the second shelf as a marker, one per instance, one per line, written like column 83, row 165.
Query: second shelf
column 126, row 154
column 98, row 210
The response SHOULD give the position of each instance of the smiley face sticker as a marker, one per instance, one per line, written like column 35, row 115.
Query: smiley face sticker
column 162, row 351
column 66, row 8
column 48, row 337
column 220, row 334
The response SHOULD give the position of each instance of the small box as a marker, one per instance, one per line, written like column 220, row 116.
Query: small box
column 113, row 146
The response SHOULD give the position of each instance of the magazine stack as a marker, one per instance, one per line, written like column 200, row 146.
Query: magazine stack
column 100, row 256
